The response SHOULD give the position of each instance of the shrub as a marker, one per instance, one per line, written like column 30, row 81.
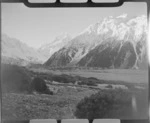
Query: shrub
column 93, row 78
column 59, row 79
column 64, row 78
column 89, row 82
column 100, row 104
column 39, row 85
column 109, row 86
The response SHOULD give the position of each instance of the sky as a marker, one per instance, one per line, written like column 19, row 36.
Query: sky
column 38, row 26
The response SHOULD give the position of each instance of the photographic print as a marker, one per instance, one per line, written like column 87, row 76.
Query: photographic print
column 74, row 63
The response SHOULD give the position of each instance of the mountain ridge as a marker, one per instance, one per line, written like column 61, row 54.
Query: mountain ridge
column 16, row 52
column 52, row 47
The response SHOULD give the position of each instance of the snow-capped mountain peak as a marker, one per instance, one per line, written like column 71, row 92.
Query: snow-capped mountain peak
column 117, row 27
column 61, row 36
column 59, row 42
column 122, row 16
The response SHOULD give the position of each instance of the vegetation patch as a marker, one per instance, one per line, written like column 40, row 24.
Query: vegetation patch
column 116, row 103
column 39, row 85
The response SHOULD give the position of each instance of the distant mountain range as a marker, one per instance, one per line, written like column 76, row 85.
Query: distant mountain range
column 113, row 42
column 16, row 52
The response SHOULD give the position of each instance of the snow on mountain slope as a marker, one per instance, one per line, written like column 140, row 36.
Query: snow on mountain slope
column 14, row 51
column 60, row 41
column 118, row 42
column 73, row 51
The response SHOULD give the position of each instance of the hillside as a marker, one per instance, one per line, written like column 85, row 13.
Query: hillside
column 16, row 52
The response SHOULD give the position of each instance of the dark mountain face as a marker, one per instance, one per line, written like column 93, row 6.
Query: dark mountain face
column 141, row 50
column 110, row 56
column 126, row 57
column 61, row 58
column 102, row 56
column 116, row 55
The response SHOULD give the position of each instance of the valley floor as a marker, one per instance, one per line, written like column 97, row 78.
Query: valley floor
column 126, row 75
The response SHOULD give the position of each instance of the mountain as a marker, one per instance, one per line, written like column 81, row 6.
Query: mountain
column 16, row 52
column 113, row 42
column 50, row 48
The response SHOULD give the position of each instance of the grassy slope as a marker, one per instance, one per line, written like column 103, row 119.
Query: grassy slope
column 60, row 105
